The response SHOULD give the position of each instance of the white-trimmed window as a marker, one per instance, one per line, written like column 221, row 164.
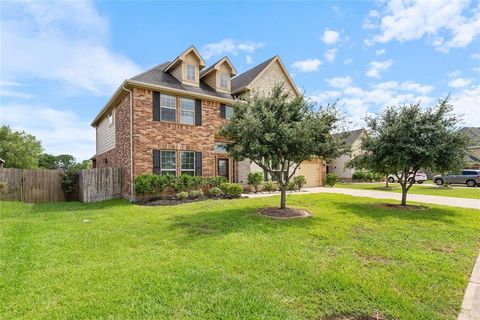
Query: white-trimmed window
column 168, row 108
column 191, row 70
column 228, row 112
column 223, row 80
column 110, row 118
column 187, row 111
column 220, row 147
column 168, row 162
column 187, row 163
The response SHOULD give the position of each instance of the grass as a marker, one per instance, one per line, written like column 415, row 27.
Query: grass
column 453, row 191
column 219, row 260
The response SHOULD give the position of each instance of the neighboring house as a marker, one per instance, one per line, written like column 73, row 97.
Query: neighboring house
column 166, row 120
column 2, row 162
column 473, row 159
column 353, row 139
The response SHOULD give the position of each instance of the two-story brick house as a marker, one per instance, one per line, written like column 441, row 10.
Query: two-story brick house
column 166, row 119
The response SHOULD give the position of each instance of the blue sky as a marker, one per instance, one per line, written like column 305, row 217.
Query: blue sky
column 61, row 61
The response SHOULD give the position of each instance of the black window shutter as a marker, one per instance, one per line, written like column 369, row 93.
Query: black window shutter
column 265, row 175
column 198, row 163
column 198, row 112
column 156, row 105
column 222, row 111
column 156, row 162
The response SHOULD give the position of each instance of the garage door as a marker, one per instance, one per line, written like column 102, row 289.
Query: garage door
column 312, row 170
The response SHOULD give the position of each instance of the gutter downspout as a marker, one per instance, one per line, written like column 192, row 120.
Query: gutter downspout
column 131, row 141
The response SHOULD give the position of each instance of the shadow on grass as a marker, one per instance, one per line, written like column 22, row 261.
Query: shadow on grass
column 223, row 221
column 69, row 206
column 375, row 210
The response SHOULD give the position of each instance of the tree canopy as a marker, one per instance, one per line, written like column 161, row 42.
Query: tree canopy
column 19, row 149
column 278, row 132
column 404, row 139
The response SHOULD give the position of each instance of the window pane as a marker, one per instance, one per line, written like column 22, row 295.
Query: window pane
column 223, row 80
column 168, row 101
column 168, row 114
column 220, row 147
column 170, row 173
column 168, row 160
column 228, row 112
column 190, row 72
column 188, row 160
column 189, row 173
column 187, row 117
column 187, row 104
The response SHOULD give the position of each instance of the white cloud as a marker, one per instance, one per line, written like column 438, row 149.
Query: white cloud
column 248, row 60
column 475, row 56
column 476, row 69
column 60, row 131
column 308, row 65
column 339, row 82
column 380, row 52
column 466, row 104
column 376, row 67
column 348, row 61
column 330, row 37
column 407, row 20
column 459, row 82
column 229, row 46
column 330, row 55
column 63, row 41
column 325, row 97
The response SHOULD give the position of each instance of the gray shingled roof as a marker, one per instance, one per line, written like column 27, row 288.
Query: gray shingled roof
column 157, row 76
column 474, row 134
column 244, row 79
column 351, row 136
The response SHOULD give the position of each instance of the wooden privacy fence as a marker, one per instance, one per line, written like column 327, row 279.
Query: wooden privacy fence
column 34, row 186
column 99, row 184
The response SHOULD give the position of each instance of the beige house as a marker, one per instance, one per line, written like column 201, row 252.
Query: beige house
column 166, row 119
column 338, row 165
column 473, row 159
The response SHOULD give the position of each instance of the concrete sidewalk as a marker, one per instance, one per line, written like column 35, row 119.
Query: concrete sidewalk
column 445, row 201
column 471, row 300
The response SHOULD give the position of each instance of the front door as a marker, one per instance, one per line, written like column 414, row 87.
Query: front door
column 222, row 167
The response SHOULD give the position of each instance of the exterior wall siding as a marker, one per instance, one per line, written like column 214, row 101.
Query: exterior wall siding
column 272, row 76
column 105, row 135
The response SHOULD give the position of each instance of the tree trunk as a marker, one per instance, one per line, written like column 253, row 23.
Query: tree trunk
column 386, row 181
column 282, row 197
column 404, row 196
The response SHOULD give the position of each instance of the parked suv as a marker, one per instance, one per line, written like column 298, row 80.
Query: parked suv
column 420, row 177
column 470, row 177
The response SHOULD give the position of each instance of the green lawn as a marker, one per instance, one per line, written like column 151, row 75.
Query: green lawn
column 219, row 260
column 453, row 191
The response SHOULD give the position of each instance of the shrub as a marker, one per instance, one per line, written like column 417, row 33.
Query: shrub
column 198, row 182
column 270, row 186
column 214, row 182
column 182, row 195
column 331, row 179
column 196, row 194
column 183, row 182
column 215, row 192
column 143, row 184
column 68, row 181
column 291, row 186
column 3, row 186
column 232, row 190
column 299, row 181
column 255, row 179
column 366, row 176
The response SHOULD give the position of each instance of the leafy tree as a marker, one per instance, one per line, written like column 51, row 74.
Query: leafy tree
column 66, row 161
column 278, row 132
column 19, row 149
column 405, row 139
column 47, row 161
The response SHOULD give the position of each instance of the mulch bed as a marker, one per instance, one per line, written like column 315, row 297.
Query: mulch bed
column 172, row 201
column 283, row 214
column 399, row 206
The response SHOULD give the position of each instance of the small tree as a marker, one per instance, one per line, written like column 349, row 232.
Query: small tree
column 405, row 139
column 19, row 149
column 255, row 179
column 278, row 132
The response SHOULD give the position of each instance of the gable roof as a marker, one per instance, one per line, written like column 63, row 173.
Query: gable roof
column 351, row 136
column 158, row 76
column 184, row 53
column 225, row 59
column 474, row 134
column 242, row 81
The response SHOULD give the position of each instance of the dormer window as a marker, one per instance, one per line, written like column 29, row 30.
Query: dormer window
column 223, row 80
column 191, row 72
